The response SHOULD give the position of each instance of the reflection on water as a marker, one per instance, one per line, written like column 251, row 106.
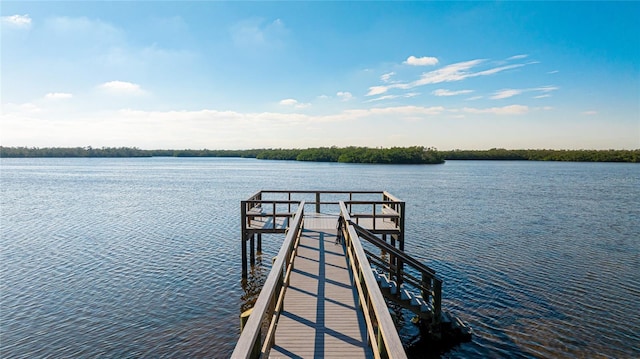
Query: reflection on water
column 252, row 285
column 141, row 257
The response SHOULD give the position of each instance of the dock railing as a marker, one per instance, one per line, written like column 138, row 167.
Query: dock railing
column 271, row 211
column 269, row 303
column 278, row 204
column 382, row 334
column 428, row 283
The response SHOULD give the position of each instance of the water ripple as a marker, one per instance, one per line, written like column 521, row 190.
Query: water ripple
column 140, row 257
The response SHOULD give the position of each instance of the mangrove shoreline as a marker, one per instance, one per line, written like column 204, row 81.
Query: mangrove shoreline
column 393, row 155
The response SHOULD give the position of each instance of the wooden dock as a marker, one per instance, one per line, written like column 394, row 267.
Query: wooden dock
column 320, row 316
column 326, row 294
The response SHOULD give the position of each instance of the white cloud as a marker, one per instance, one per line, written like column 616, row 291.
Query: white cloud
column 385, row 97
column 545, row 88
column 474, row 98
column 505, row 94
column 444, row 92
column 407, row 110
column 421, row 61
column 553, row 72
column 344, row 96
column 518, row 57
column 17, row 21
column 58, row 96
column 122, row 88
column 454, row 72
column 590, row 113
column 387, row 77
column 391, row 97
column 506, row 110
column 450, row 73
column 377, row 90
column 289, row 102
column 495, row 70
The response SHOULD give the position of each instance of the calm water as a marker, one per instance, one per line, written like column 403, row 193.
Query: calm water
column 140, row 257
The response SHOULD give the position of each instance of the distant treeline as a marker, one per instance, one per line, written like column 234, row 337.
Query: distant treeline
column 118, row 152
column 407, row 155
column 545, row 155
column 396, row 155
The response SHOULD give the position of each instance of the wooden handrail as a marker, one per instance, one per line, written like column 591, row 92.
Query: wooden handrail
column 271, row 291
column 407, row 259
column 386, row 198
column 383, row 335
column 434, row 289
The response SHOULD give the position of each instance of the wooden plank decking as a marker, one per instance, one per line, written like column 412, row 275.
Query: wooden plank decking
column 321, row 318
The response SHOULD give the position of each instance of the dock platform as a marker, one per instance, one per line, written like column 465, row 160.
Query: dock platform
column 341, row 261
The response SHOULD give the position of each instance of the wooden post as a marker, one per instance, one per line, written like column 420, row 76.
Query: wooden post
column 437, row 300
column 244, row 256
column 317, row 202
column 259, row 248
column 401, row 236
column 393, row 260
column 252, row 250
column 401, row 245
column 243, row 245
column 399, row 274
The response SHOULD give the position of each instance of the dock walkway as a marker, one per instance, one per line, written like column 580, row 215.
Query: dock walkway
column 320, row 316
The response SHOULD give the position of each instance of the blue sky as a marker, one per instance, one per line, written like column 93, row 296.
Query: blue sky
column 238, row 75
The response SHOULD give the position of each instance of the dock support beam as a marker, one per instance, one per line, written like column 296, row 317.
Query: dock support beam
column 252, row 250
column 244, row 256
column 259, row 248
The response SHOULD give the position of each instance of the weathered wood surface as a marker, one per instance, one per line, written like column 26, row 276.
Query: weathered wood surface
column 321, row 318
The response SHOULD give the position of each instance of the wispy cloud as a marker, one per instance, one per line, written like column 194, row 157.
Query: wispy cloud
column 378, row 90
column 344, row 95
column 444, row 92
column 518, row 57
column 450, row 73
column 553, row 72
column 590, row 113
column 391, row 97
column 507, row 93
column 387, row 77
column 407, row 110
column 122, row 88
column 506, row 110
column 58, row 96
column 421, row 61
column 17, row 21
column 290, row 102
